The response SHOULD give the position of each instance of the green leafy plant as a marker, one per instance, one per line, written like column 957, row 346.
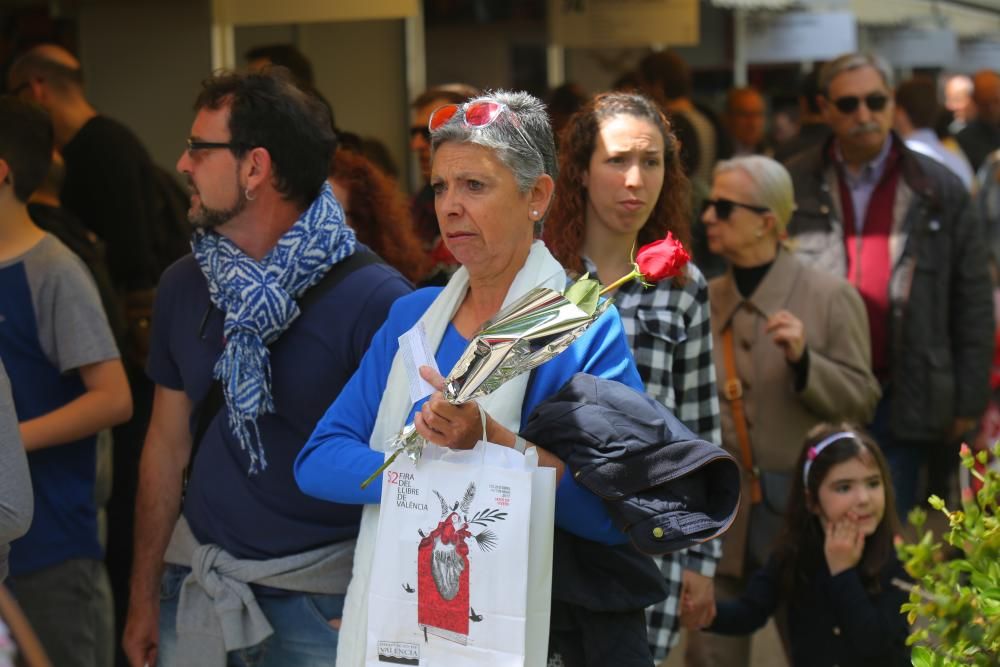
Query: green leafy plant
column 954, row 603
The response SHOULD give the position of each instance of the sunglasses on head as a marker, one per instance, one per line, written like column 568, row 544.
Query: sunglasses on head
column 724, row 208
column 480, row 113
column 850, row 103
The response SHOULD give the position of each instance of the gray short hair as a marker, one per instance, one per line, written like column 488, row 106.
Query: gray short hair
column 853, row 61
column 521, row 138
column 772, row 185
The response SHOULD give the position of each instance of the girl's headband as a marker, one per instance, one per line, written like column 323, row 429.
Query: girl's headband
column 816, row 449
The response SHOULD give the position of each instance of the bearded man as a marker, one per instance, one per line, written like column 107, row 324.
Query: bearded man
column 255, row 334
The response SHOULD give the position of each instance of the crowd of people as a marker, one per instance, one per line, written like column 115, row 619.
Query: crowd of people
column 194, row 384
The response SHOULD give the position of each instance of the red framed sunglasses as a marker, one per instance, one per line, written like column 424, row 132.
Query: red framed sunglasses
column 480, row 113
column 475, row 114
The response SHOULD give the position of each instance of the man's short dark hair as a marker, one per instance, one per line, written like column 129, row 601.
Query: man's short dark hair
column 918, row 98
column 269, row 111
column 809, row 89
column 25, row 144
column 668, row 71
column 285, row 55
column 32, row 65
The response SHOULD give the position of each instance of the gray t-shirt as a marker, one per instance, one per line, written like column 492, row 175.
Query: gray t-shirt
column 15, row 482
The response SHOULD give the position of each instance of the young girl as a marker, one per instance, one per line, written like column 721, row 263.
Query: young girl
column 834, row 565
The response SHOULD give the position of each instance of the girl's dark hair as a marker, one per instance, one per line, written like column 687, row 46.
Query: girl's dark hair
column 800, row 547
column 566, row 223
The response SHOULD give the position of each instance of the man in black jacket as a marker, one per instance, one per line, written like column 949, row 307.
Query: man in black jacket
column 901, row 228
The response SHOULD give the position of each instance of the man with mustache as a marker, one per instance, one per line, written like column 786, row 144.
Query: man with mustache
column 255, row 334
column 901, row 228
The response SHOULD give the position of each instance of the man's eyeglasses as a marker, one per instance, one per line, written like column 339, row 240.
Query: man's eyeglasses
column 724, row 208
column 480, row 113
column 850, row 103
column 195, row 145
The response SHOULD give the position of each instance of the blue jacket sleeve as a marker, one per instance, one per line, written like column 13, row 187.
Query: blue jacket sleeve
column 337, row 457
column 602, row 351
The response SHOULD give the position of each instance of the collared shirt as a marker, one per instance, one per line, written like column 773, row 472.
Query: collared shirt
column 925, row 141
column 670, row 335
column 862, row 184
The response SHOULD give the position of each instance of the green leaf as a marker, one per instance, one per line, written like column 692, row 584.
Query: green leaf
column 922, row 657
column 585, row 293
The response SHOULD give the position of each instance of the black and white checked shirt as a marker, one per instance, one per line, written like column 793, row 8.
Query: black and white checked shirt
column 670, row 335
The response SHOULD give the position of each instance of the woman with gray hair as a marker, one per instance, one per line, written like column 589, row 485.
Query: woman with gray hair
column 791, row 350
column 492, row 172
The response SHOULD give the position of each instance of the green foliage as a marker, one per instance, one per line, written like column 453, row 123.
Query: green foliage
column 957, row 601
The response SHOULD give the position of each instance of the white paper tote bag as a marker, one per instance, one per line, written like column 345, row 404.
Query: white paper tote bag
column 462, row 573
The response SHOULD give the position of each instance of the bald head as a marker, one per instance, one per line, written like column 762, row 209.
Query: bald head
column 46, row 64
column 986, row 93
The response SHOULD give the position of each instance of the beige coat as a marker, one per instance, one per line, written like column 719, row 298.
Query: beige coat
column 840, row 384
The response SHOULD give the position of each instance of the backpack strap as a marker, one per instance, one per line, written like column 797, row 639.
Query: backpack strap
column 212, row 403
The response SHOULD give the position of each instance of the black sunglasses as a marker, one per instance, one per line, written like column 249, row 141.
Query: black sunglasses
column 850, row 103
column 724, row 208
column 422, row 131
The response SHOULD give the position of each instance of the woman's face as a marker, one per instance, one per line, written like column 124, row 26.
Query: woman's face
column 485, row 221
column 855, row 490
column 740, row 236
column 625, row 175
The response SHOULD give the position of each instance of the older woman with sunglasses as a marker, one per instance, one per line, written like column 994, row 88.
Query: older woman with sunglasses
column 493, row 169
column 621, row 186
column 791, row 350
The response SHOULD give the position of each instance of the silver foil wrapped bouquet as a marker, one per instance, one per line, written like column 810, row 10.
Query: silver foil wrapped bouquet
column 532, row 330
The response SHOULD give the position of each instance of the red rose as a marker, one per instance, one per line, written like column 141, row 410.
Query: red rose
column 662, row 259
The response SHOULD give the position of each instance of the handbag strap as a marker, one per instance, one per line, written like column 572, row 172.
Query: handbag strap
column 732, row 391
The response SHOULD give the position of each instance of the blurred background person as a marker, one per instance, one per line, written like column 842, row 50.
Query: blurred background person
column 916, row 110
column 745, row 122
column 981, row 135
column 378, row 213
column 813, row 129
column 958, row 101
column 666, row 78
column 621, row 186
column 563, row 102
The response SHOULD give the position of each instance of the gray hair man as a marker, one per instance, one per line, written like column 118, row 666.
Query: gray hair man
column 901, row 228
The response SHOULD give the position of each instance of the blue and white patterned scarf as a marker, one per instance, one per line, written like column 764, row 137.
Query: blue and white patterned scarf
column 258, row 299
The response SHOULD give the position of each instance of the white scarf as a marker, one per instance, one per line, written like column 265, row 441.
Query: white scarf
column 540, row 270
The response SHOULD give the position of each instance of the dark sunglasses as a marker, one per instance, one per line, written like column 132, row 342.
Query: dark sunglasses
column 850, row 103
column 724, row 208
column 417, row 130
